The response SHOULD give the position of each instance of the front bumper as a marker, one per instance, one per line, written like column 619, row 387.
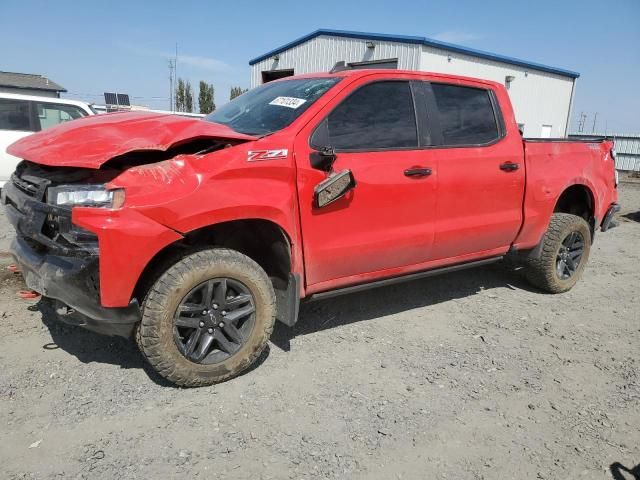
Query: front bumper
column 57, row 268
column 608, row 221
column 125, row 239
column 74, row 282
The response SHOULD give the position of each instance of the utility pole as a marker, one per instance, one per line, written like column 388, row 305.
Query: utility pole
column 173, row 75
column 172, row 66
column 595, row 118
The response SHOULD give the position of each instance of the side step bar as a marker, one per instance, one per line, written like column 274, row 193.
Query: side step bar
column 403, row 278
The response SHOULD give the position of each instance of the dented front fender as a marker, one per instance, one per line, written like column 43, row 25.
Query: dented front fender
column 157, row 183
column 128, row 240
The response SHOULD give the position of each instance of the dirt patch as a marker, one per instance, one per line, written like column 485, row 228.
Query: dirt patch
column 470, row 375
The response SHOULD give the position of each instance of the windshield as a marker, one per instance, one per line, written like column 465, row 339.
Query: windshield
column 271, row 107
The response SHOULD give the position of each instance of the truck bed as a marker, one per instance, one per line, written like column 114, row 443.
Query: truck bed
column 594, row 139
column 552, row 166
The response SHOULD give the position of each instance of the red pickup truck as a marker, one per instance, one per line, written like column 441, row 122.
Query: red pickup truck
column 194, row 236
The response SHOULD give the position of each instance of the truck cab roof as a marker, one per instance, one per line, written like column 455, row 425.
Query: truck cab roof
column 364, row 72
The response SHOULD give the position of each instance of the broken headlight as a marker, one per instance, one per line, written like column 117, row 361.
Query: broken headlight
column 85, row 196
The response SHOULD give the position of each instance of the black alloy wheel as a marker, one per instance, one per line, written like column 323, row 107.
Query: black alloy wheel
column 207, row 317
column 559, row 260
column 569, row 255
column 214, row 320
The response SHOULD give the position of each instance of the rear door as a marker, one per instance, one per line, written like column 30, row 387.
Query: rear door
column 481, row 172
column 387, row 220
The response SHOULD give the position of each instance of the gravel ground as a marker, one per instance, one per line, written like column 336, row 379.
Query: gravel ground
column 472, row 375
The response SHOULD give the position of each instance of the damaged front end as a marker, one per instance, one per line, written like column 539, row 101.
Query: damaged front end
column 38, row 217
column 58, row 258
column 78, row 239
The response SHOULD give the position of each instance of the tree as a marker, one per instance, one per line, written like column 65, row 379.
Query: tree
column 180, row 94
column 188, row 97
column 205, row 98
column 236, row 92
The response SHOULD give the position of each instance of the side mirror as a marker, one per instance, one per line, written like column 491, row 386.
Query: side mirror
column 333, row 188
column 323, row 159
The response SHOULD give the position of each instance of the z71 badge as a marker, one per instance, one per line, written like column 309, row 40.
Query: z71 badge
column 259, row 155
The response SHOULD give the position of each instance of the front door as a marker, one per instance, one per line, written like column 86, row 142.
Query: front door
column 387, row 221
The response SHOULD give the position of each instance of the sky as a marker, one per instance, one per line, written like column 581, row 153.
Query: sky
column 93, row 47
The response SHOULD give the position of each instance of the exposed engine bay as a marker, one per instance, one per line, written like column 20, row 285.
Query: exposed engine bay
column 48, row 226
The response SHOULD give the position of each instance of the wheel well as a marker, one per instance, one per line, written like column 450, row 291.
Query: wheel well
column 261, row 240
column 576, row 200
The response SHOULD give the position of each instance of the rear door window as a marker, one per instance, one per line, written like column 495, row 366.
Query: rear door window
column 376, row 116
column 14, row 115
column 50, row 114
column 466, row 115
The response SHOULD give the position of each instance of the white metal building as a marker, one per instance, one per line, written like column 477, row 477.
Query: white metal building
column 541, row 95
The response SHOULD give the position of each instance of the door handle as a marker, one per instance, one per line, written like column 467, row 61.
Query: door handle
column 417, row 172
column 509, row 167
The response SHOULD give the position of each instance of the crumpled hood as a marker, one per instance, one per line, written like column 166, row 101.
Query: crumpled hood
column 92, row 141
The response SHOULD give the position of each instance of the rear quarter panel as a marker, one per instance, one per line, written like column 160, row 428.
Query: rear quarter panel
column 551, row 168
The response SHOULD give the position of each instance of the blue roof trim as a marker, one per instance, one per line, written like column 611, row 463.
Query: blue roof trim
column 421, row 41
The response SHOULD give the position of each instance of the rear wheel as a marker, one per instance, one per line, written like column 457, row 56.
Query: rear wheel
column 207, row 318
column 565, row 251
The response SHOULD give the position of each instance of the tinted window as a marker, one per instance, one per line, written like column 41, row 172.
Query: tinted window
column 271, row 107
column 466, row 115
column 379, row 115
column 50, row 114
column 14, row 115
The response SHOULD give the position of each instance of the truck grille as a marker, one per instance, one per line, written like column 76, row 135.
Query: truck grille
column 32, row 189
column 46, row 227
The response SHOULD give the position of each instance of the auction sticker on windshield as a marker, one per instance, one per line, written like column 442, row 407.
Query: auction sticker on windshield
column 289, row 102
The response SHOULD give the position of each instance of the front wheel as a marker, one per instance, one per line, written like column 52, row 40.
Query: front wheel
column 565, row 251
column 207, row 318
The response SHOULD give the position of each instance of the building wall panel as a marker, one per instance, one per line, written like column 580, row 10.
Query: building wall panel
column 538, row 98
column 30, row 91
column 321, row 54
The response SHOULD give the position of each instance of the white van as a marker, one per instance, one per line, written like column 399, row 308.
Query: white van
column 21, row 115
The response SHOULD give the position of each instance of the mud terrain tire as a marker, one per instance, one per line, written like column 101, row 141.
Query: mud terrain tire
column 156, row 335
column 545, row 272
